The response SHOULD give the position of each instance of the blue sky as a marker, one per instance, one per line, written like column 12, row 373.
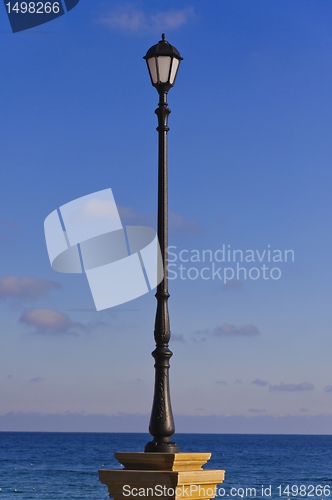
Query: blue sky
column 249, row 167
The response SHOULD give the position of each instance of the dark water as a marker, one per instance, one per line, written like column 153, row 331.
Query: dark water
column 53, row 466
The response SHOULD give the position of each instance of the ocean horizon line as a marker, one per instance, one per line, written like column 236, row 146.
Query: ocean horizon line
column 185, row 424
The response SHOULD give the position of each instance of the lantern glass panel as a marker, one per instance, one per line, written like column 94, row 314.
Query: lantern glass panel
column 153, row 69
column 164, row 63
column 174, row 70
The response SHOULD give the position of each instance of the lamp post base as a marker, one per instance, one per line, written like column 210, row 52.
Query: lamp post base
column 162, row 447
column 162, row 476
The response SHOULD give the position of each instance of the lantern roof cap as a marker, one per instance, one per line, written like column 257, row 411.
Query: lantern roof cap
column 162, row 48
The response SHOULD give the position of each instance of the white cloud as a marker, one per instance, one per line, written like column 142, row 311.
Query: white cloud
column 260, row 382
column 129, row 19
column 170, row 20
column 99, row 209
column 177, row 337
column 130, row 217
column 304, row 386
column 37, row 379
column 25, row 287
column 49, row 321
column 228, row 330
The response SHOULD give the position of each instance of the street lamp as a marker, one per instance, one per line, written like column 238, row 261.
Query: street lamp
column 163, row 62
column 145, row 471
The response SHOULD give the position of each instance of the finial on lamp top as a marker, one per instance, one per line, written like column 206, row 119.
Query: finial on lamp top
column 163, row 37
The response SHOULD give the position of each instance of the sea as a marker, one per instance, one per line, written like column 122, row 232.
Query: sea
column 51, row 466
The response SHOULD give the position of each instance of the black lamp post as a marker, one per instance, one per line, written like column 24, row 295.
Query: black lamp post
column 163, row 62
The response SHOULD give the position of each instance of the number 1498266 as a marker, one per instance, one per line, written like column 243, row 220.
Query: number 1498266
column 304, row 490
column 33, row 7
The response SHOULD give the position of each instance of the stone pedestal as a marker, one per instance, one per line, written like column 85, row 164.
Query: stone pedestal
column 162, row 476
